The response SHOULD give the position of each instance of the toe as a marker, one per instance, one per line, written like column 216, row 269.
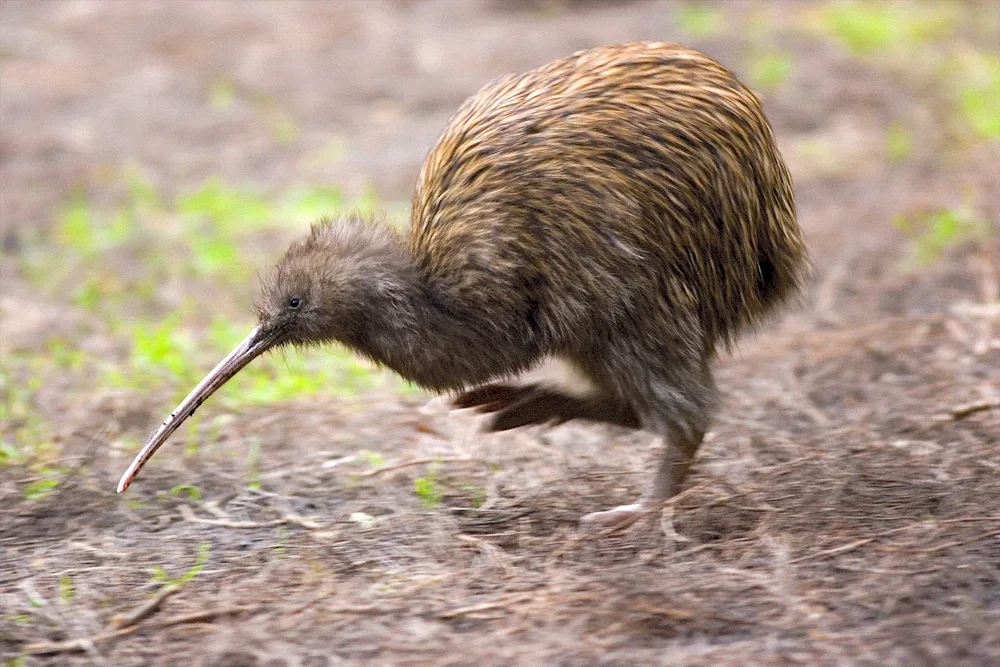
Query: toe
column 491, row 394
column 619, row 517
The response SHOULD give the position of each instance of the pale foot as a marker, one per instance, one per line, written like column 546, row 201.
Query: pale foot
column 615, row 519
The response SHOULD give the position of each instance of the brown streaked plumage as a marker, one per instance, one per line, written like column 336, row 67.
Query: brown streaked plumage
column 625, row 209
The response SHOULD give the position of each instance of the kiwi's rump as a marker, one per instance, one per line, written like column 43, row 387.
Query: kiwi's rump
column 618, row 182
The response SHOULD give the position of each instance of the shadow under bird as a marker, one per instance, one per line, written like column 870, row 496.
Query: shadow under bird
column 624, row 209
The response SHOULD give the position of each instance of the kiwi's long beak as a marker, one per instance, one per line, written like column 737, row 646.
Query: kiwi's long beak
column 260, row 340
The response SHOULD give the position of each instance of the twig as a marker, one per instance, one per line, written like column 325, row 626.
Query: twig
column 993, row 532
column 208, row 614
column 880, row 570
column 144, row 610
column 483, row 606
column 860, row 543
column 86, row 644
column 189, row 515
column 225, row 523
column 75, row 645
column 102, row 553
column 665, row 612
column 364, row 609
column 835, row 550
column 291, row 517
column 417, row 462
column 963, row 411
column 969, row 519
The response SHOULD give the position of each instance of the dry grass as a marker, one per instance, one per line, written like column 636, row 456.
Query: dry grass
column 865, row 526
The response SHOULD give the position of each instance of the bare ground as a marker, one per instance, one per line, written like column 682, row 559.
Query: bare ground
column 845, row 508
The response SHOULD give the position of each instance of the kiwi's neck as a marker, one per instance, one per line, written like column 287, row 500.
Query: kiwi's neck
column 413, row 326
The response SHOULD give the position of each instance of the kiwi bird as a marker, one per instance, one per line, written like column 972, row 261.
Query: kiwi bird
column 625, row 209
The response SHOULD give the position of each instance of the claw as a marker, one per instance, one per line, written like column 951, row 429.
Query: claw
column 618, row 518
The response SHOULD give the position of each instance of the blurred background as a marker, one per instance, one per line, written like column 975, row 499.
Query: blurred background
column 154, row 156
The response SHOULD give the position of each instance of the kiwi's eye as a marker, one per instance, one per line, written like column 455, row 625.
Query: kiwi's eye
column 294, row 302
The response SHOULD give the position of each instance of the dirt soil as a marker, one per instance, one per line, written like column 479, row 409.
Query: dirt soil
column 845, row 508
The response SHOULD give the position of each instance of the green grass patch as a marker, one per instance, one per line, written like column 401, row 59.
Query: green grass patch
column 869, row 28
column 66, row 590
column 190, row 490
column 159, row 351
column 428, row 490
column 769, row 69
column 370, row 459
column 87, row 234
column 700, row 20
column 160, row 575
column 228, row 209
column 305, row 205
column 202, row 232
column 168, row 279
column 20, row 619
column 9, row 453
column 40, row 489
column 935, row 232
column 169, row 354
column 979, row 93
column 918, row 43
